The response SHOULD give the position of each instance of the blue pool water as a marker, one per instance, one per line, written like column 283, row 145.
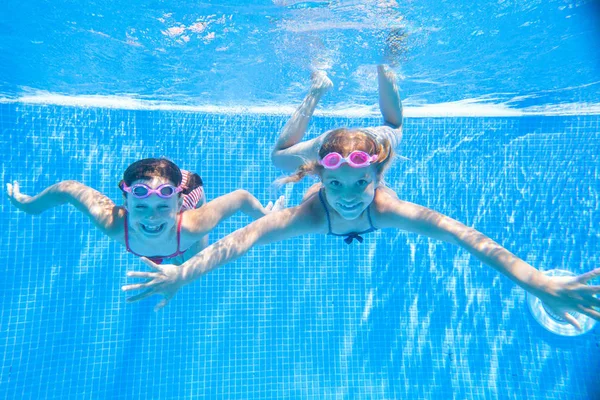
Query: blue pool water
column 502, row 133
column 399, row 316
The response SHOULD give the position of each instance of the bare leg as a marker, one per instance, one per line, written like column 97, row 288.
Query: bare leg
column 390, row 104
column 289, row 153
column 389, row 97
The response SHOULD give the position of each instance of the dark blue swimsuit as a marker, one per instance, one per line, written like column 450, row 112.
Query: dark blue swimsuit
column 348, row 237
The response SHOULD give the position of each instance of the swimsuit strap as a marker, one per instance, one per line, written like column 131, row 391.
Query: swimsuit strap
column 127, row 234
column 369, row 217
column 179, row 234
column 326, row 211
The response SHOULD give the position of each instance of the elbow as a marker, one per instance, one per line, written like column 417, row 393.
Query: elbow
column 245, row 201
column 243, row 196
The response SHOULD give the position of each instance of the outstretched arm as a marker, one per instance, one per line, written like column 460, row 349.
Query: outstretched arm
column 200, row 221
column 562, row 294
column 277, row 226
column 99, row 208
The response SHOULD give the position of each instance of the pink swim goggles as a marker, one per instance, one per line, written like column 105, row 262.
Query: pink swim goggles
column 141, row 190
column 356, row 159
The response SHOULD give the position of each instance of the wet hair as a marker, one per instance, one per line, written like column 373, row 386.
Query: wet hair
column 149, row 168
column 345, row 141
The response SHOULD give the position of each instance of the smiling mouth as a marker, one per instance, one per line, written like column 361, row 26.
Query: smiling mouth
column 346, row 207
column 153, row 229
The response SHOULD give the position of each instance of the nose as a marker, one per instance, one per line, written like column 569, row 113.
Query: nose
column 152, row 215
column 349, row 193
column 348, row 199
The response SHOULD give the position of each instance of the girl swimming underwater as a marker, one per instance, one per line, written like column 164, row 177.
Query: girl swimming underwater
column 165, row 215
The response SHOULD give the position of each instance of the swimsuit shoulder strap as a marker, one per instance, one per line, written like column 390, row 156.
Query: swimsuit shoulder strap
column 326, row 210
column 179, row 234
column 127, row 233
column 372, row 227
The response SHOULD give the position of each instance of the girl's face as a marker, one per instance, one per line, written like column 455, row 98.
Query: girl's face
column 153, row 216
column 349, row 191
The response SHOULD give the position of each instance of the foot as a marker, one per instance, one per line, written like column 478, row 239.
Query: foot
column 320, row 82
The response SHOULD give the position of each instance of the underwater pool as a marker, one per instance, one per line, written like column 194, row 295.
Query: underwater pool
column 502, row 132
column 398, row 316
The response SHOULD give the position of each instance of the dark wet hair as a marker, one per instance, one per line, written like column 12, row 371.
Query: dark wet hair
column 345, row 141
column 149, row 168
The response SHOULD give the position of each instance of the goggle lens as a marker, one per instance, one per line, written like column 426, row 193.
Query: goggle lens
column 167, row 191
column 332, row 159
column 359, row 158
column 139, row 191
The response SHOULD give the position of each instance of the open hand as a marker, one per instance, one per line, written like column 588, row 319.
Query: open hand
column 277, row 206
column 165, row 280
column 572, row 293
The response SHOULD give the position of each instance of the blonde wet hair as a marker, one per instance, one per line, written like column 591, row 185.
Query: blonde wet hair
column 344, row 141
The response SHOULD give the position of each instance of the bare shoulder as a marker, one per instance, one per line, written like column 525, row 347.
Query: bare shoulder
column 384, row 199
column 312, row 191
column 388, row 210
column 311, row 208
column 306, row 218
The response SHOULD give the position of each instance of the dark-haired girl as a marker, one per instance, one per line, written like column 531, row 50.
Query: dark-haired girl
column 164, row 217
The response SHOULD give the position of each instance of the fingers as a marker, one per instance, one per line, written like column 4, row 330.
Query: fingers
column 12, row 189
column 583, row 278
column 139, row 274
column 141, row 296
column 590, row 312
column 150, row 263
column 591, row 299
column 280, row 203
column 136, row 286
column 269, row 206
column 570, row 319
